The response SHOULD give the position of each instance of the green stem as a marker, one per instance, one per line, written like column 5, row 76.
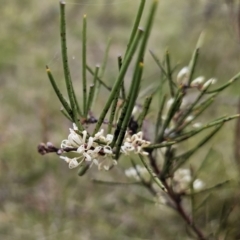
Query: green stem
column 152, row 174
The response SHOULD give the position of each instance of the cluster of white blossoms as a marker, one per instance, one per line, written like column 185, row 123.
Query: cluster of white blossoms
column 135, row 144
column 182, row 179
column 181, row 183
column 198, row 82
column 95, row 153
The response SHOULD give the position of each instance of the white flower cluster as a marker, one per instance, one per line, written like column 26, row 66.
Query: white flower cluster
column 182, row 179
column 135, row 143
column 198, row 82
column 89, row 150
column 99, row 154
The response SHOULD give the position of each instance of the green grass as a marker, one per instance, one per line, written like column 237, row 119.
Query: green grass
column 40, row 197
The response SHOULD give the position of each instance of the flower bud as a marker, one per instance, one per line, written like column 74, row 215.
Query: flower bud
column 189, row 118
column 197, row 81
column 183, row 75
column 208, row 83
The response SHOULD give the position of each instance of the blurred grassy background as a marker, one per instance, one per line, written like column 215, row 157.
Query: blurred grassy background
column 40, row 198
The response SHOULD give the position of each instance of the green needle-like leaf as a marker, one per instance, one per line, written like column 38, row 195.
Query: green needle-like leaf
column 92, row 90
column 84, row 65
column 127, row 111
column 185, row 156
column 123, row 91
column 83, row 169
column 231, row 81
column 113, row 112
column 108, row 183
column 158, row 63
column 192, row 65
column 105, row 58
column 102, row 70
column 209, row 190
column 152, row 174
column 63, row 111
column 119, row 80
column 191, row 133
column 173, row 109
column 68, row 81
column 90, row 97
column 134, row 89
column 99, row 79
column 58, row 93
column 159, row 116
column 169, row 74
column 135, row 26
column 144, row 112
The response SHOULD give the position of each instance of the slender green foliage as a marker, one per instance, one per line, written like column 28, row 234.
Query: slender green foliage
column 58, row 93
column 135, row 26
column 119, row 80
column 67, row 75
column 192, row 65
column 84, row 64
column 99, row 79
column 144, row 112
column 169, row 74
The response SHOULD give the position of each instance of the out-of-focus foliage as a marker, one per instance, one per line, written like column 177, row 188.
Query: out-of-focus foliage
column 42, row 199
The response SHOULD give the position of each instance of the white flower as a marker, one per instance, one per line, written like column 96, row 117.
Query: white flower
column 135, row 144
column 88, row 149
column 109, row 138
column 182, row 179
column 183, row 75
column 198, row 184
column 189, row 118
column 127, row 147
column 107, row 150
column 73, row 163
column 75, row 127
column 169, row 103
column 197, row 125
column 182, row 173
column 99, row 136
column 131, row 173
column 74, row 140
column 101, row 154
column 136, row 110
column 141, row 170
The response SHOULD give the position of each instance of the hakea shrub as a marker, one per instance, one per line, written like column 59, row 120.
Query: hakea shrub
column 123, row 119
